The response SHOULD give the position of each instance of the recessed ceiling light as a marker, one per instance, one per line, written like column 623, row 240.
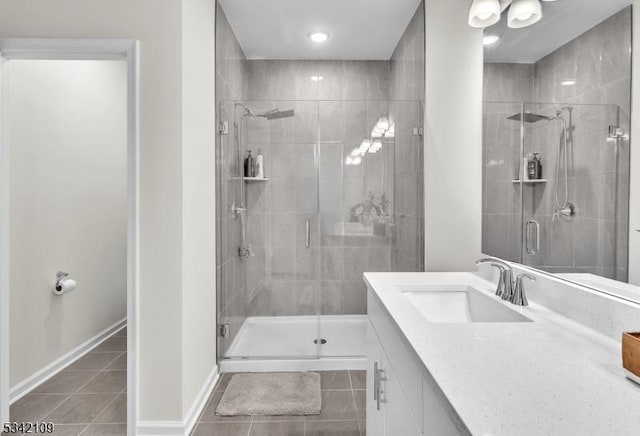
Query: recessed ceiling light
column 490, row 39
column 318, row 36
column 569, row 82
column 317, row 78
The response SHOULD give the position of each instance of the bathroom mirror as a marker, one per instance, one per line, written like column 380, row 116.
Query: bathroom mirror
column 556, row 146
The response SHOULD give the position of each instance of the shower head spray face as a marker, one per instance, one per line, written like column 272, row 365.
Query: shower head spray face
column 276, row 114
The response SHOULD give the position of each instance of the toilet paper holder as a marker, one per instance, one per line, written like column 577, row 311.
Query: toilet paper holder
column 60, row 276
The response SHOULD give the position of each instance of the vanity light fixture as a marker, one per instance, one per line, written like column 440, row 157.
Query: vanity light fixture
column 318, row 36
column 490, row 39
column 484, row 13
column 524, row 13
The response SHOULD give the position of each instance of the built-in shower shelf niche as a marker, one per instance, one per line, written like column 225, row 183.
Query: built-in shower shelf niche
column 530, row 182
column 255, row 179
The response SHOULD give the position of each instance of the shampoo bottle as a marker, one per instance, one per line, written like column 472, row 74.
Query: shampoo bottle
column 260, row 165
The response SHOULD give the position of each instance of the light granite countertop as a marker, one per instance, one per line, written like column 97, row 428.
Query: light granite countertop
column 552, row 376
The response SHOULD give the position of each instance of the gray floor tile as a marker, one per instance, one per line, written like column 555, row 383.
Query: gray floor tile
column 94, row 361
column 337, row 405
column 65, row 382
column 334, row 380
column 106, row 430
column 277, row 429
column 222, row 429
column 358, row 379
column 332, row 428
column 114, row 343
column 106, row 382
column 34, row 407
column 119, row 363
column 68, row 429
column 360, row 398
column 79, row 408
column 114, row 413
column 209, row 414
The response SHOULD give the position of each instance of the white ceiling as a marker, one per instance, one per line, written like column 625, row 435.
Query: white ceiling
column 562, row 21
column 358, row 29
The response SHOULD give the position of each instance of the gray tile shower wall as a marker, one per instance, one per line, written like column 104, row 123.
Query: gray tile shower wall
column 599, row 62
column 231, row 271
column 336, row 104
column 406, row 92
column 332, row 116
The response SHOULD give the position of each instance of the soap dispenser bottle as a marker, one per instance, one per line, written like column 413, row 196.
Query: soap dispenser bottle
column 249, row 165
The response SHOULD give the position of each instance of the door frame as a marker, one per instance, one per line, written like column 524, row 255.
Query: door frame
column 77, row 49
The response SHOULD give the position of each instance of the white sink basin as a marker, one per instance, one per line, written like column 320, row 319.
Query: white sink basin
column 458, row 304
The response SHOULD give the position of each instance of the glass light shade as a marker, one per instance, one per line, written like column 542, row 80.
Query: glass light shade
column 523, row 13
column 484, row 13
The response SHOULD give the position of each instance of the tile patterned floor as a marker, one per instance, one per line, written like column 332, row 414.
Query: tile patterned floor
column 343, row 412
column 88, row 398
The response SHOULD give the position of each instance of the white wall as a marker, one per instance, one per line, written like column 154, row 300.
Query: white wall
column 67, row 133
column 453, row 137
column 634, row 199
column 159, row 28
column 198, row 197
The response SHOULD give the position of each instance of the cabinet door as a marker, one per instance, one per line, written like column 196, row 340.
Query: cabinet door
column 398, row 418
column 375, row 410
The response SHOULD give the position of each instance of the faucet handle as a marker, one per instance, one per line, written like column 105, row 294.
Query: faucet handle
column 519, row 295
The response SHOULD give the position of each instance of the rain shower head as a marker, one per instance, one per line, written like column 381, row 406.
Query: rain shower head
column 529, row 117
column 277, row 114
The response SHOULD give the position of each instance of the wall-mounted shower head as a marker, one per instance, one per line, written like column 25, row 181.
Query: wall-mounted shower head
column 529, row 117
column 276, row 114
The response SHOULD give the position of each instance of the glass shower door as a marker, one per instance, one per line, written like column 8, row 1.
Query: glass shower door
column 276, row 286
column 572, row 217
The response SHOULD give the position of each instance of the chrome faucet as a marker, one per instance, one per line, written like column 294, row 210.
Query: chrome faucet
column 519, row 296
column 505, row 283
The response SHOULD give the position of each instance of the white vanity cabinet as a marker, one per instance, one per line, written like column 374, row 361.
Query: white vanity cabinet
column 400, row 401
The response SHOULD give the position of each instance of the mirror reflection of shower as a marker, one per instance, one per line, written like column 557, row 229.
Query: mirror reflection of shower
column 566, row 208
column 239, row 208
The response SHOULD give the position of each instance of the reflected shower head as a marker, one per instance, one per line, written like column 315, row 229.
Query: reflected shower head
column 529, row 117
column 277, row 114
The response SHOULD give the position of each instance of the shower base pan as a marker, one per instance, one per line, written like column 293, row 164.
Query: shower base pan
column 286, row 343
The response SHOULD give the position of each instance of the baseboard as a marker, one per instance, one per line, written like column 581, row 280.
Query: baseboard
column 27, row 385
column 184, row 428
column 200, row 402
column 160, row 428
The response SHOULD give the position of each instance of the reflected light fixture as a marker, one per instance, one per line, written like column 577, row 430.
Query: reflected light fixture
column 484, row 13
column 569, row 82
column 317, row 78
column 490, row 39
column 523, row 13
column 318, row 36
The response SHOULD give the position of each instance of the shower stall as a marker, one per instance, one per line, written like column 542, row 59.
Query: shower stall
column 335, row 202
column 573, row 218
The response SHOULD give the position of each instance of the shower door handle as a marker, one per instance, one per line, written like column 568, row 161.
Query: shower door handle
column 308, row 232
column 532, row 224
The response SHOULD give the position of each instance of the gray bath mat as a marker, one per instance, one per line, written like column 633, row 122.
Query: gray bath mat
column 272, row 393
